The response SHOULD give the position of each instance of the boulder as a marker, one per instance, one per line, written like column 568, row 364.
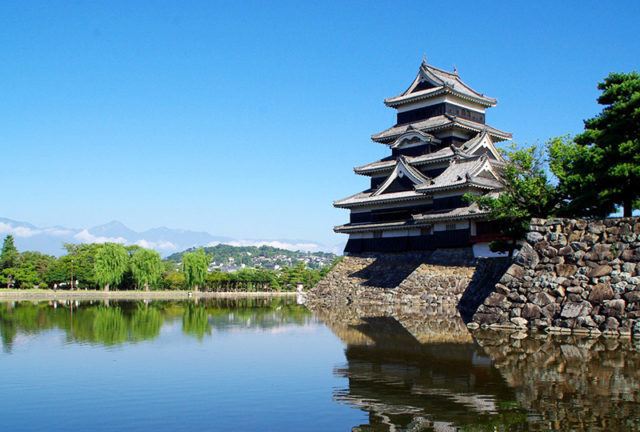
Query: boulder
column 576, row 309
column 551, row 310
column 566, row 270
column 516, row 271
column 613, row 307
column 586, row 321
column 611, row 324
column 531, row 311
column 632, row 297
column 527, row 257
column 494, row 299
column 534, row 237
column 542, row 299
column 565, row 251
column 520, row 322
column 600, row 270
column 600, row 293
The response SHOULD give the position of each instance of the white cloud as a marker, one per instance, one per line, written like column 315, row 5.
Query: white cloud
column 86, row 237
column 311, row 247
column 212, row 244
column 57, row 231
column 162, row 245
column 19, row 231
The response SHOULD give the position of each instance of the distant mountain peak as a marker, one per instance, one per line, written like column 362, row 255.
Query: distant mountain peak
column 165, row 240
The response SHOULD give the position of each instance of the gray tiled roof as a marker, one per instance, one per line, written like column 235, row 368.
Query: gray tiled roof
column 365, row 198
column 471, row 211
column 438, row 122
column 369, row 226
column 460, row 173
column 386, row 164
column 444, row 82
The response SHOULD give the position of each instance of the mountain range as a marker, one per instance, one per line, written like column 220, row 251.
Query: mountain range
column 50, row 240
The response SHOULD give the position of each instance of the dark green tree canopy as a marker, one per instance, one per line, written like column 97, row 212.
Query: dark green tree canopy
column 601, row 168
column 9, row 256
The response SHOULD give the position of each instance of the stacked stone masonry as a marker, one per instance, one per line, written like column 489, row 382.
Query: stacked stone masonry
column 571, row 276
column 403, row 278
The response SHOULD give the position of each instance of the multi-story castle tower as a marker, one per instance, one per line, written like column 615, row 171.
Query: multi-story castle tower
column 441, row 149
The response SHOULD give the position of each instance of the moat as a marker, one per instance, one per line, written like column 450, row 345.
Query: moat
column 258, row 364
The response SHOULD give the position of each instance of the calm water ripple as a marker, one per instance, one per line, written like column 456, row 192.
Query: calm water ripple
column 272, row 365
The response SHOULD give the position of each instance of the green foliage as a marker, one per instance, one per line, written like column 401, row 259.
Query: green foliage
column 111, row 261
column 527, row 193
column 600, row 168
column 146, row 323
column 9, row 255
column 194, row 267
column 8, row 261
column 146, row 267
column 83, row 257
column 110, row 326
column 32, row 269
column 96, row 265
column 249, row 255
column 195, row 321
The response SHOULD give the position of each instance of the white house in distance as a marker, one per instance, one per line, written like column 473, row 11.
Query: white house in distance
column 441, row 149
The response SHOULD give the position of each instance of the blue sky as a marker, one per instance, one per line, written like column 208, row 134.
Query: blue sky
column 245, row 119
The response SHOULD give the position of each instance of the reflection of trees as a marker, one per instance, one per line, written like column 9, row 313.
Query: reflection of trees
column 138, row 321
column 109, row 325
column 8, row 330
column 146, row 323
column 195, row 321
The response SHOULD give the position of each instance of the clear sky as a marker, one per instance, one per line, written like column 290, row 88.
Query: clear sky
column 245, row 119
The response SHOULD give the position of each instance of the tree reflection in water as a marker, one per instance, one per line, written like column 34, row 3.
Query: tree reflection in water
column 195, row 321
column 415, row 370
column 109, row 326
column 146, row 322
column 137, row 321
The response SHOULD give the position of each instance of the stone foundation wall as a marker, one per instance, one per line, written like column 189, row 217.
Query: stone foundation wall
column 406, row 278
column 571, row 275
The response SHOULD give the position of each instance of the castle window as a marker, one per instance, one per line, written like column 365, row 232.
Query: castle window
column 451, row 227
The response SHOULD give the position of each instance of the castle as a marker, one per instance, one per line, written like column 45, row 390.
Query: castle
column 441, row 149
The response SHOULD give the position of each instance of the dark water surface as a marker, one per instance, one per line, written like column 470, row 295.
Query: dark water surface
column 272, row 365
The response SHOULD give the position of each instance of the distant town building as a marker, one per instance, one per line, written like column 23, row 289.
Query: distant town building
column 441, row 149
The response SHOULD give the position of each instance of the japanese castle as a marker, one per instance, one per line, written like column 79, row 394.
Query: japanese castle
column 441, row 149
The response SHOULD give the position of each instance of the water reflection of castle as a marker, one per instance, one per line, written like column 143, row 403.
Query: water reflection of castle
column 411, row 370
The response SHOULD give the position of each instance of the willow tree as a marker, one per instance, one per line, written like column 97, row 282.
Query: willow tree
column 194, row 266
column 112, row 260
column 146, row 267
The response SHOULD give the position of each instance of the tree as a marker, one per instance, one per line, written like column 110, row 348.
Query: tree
column 146, row 267
column 9, row 260
column 601, row 167
column 194, row 267
column 112, row 260
column 527, row 193
column 83, row 257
